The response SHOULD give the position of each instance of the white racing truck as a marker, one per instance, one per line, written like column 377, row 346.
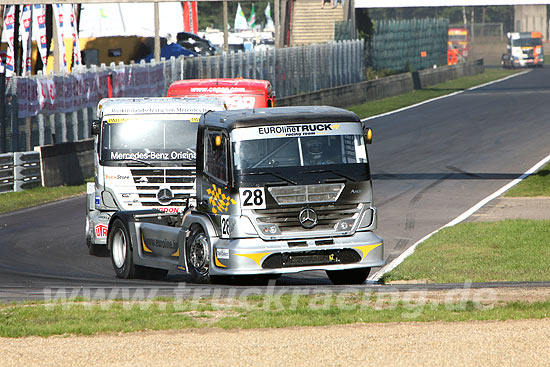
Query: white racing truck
column 279, row 190
column 144, row 158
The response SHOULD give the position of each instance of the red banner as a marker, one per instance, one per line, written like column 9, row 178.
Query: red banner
column 190, row 20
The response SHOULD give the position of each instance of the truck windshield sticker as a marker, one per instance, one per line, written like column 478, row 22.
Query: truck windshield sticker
column 219, row 201
column 296, row 130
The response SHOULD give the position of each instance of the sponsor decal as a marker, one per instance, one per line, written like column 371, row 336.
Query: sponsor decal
column 168, row 210
column 161, row 156
column 222, row 253
column 217, row 89
column 97, row 200
column 116, row 177
column 159, row 243
column 219, row 201
column 101, row 230
column 297, row 130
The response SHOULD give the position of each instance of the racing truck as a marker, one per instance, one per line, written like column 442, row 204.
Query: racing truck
column 523, row 49
column 278, row 190
column 144, row 158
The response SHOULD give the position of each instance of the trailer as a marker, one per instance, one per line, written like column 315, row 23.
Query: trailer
column 278, row 190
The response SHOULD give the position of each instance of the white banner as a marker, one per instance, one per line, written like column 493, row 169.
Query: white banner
column 58, row 15
column 77, row 58
column 39, row 29
column 26, row 42
column 9, row 31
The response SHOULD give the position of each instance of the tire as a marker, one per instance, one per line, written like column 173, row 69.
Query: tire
column 351, row 276
column 121, row 251
column 197, row 250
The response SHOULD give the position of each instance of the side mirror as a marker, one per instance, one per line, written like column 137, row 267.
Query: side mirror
column 368, row 135
column 96, row 127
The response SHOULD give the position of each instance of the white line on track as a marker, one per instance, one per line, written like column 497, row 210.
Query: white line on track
column 398, row 260
column 445, row 96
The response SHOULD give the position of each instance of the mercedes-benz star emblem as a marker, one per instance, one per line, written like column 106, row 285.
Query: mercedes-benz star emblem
column 165, row 196
column 308, row 218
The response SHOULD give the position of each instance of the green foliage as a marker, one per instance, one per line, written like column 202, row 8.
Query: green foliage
column 534, row 185
column 511, row 250
column 39, row 195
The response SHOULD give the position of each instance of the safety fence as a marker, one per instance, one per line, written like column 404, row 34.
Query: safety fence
column 408, row 45
column 42, row 110
column 19, row 171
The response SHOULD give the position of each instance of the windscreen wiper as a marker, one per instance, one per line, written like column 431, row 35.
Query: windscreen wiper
column 272, row 174
column 136, row 160
column 331, row 171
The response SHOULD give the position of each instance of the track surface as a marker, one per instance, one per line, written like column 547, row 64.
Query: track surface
column 430, row 163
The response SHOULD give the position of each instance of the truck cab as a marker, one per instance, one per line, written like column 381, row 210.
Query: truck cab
column 237, row 93
column 144, row 158
column 278, row 191
column 523, row 49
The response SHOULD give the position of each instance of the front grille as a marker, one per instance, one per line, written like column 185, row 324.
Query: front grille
column 311, row 258
column 286, row 218
column 288, row 195
column 150, row 180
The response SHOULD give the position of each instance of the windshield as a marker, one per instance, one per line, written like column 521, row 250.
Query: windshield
column 142, row 138
column 457, row 37
column 288, row 146
column 527, row 42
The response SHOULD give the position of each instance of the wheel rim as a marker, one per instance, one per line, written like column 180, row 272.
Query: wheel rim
column 199, row 255
column 118, row 248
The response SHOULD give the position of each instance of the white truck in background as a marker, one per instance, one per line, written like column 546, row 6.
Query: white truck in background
column 144, row 158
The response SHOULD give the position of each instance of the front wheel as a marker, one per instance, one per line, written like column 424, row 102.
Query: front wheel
column 198, row 256
column 121, row 251
column 351, row 276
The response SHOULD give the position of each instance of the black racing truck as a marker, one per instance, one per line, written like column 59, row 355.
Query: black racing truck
column 279, row 190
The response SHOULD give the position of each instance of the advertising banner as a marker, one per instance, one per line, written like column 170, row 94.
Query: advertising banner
column 26, row 42
column 9, row 31
column 39, row 29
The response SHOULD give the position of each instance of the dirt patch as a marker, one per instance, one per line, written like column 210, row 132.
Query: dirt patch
column 513, row 208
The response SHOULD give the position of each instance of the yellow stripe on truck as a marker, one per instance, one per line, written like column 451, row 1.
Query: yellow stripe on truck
column 366, row 249
column 256, row 257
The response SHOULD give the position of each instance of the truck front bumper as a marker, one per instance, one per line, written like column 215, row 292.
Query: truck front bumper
column 256, row 256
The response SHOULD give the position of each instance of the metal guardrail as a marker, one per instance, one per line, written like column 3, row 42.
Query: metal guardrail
column 19, row 171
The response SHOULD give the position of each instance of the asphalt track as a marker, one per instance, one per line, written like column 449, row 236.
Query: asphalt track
column 430, row 163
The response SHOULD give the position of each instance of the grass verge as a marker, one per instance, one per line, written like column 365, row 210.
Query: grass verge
column 537, row 184
column 11, row 201
column 509, row 250
column 393, row 103
column 88, row 318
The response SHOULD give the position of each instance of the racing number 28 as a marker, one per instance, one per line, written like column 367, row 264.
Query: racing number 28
column 252, row 198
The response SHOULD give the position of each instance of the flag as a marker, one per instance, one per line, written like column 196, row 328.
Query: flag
column 77, row 57
column 240, row 20
column 58, row 14
column 39, row 23
column 26, row 43
column 269, row 26
column 9, row 29
column 190, row 20
column 252, row 18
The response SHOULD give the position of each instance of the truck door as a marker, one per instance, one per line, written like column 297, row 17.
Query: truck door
column 214, row 192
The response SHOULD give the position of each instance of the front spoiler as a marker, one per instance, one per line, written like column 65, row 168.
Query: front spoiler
column 246, row 256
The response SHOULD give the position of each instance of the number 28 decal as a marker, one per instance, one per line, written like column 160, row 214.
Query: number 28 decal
column 252, row 197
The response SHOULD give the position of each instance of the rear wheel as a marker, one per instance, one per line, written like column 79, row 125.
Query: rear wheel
column 198, row 255
column 121, row 251
column 351, row 276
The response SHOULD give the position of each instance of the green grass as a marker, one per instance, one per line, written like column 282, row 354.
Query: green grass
column 509, row 250
column 534, row 185
column 11, row 201
column 89, row 318
column 393, row 103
